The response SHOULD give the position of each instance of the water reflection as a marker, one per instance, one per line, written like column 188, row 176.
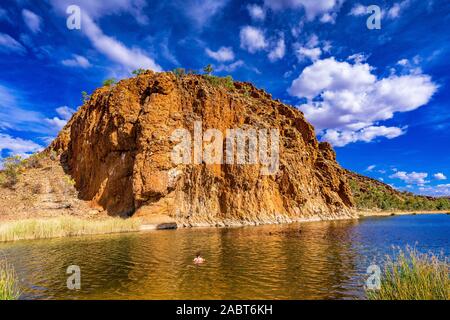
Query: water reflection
column 323, row 260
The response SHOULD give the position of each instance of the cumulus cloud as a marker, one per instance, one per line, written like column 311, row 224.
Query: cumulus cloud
column 222, row 55
column 77, row 61
column 345, row 101
column 395, row 10
column 412, row 178
column 56, row 122
column 201, row 11
column 131, row 58
column 313, row 8
column 16, row 146
column 371, row 167
column 439, row 176
column 358, row 10
column 340, row 138
column 9, row 44
column 311, row 49
column 115, row 50
column 96, row 9
column 440, row 190
column 252, row 39
column 311, row 53
column 229, row 67
column 278, row 50
column 64, row 115
column 65, row 112
column 32, row 20
column 256, row 12
column 391, row 13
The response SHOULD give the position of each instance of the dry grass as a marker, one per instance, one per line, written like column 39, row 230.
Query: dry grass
column 414, row 276
column 8, row 282
column 64, row 226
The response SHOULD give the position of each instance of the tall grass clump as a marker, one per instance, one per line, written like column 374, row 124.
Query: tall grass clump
column 9, row 289
column 411, row 275
column 65, row 226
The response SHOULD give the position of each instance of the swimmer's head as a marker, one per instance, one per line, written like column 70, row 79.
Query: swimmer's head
column 198, row 254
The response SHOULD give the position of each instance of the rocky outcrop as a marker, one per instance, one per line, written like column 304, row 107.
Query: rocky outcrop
column 118, row 148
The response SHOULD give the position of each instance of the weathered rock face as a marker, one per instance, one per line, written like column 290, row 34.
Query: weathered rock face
column 118, row 146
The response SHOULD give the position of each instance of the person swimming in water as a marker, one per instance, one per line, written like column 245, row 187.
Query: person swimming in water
column 198, row 258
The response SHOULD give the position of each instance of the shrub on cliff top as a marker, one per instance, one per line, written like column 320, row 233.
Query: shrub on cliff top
column 179, row 72
column 208, row 69
column 109, row 82
column 138, row 71
column 85, row 96
column 215, row 81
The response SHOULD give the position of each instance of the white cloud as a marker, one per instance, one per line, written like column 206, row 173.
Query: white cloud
column 311, row 49
column 313, row 8
column 17, row 145
column 252, row 39
column 371, row 167
column 9, row 44
column 77, row 61
column 115, row 50
column 340, row 138
column 130, row 58
column 328, row 18
column 16, row 114
column 222, row 55
column 230, row 67
column 346, row 101
column 391, row 13
column 65, row 112
column 357, row 57
column 412, row 178
column 403, row 62
column 358, row 10
column 440, row 190
column 395, row 10
column 201, row 11
column 311, row 53
column 256, row 12
column 96, row 9
column 56, row 122
column 32, row 20
column 278, row 51
column 439, row 176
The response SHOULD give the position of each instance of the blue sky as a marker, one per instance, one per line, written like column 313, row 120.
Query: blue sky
column 380, row 96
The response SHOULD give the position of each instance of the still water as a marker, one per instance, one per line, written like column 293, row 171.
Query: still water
column 317, row 260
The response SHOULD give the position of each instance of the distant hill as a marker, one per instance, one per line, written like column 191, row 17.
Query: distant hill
column 371, row 194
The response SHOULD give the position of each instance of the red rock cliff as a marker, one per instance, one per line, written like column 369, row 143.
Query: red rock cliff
column 118, row 146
